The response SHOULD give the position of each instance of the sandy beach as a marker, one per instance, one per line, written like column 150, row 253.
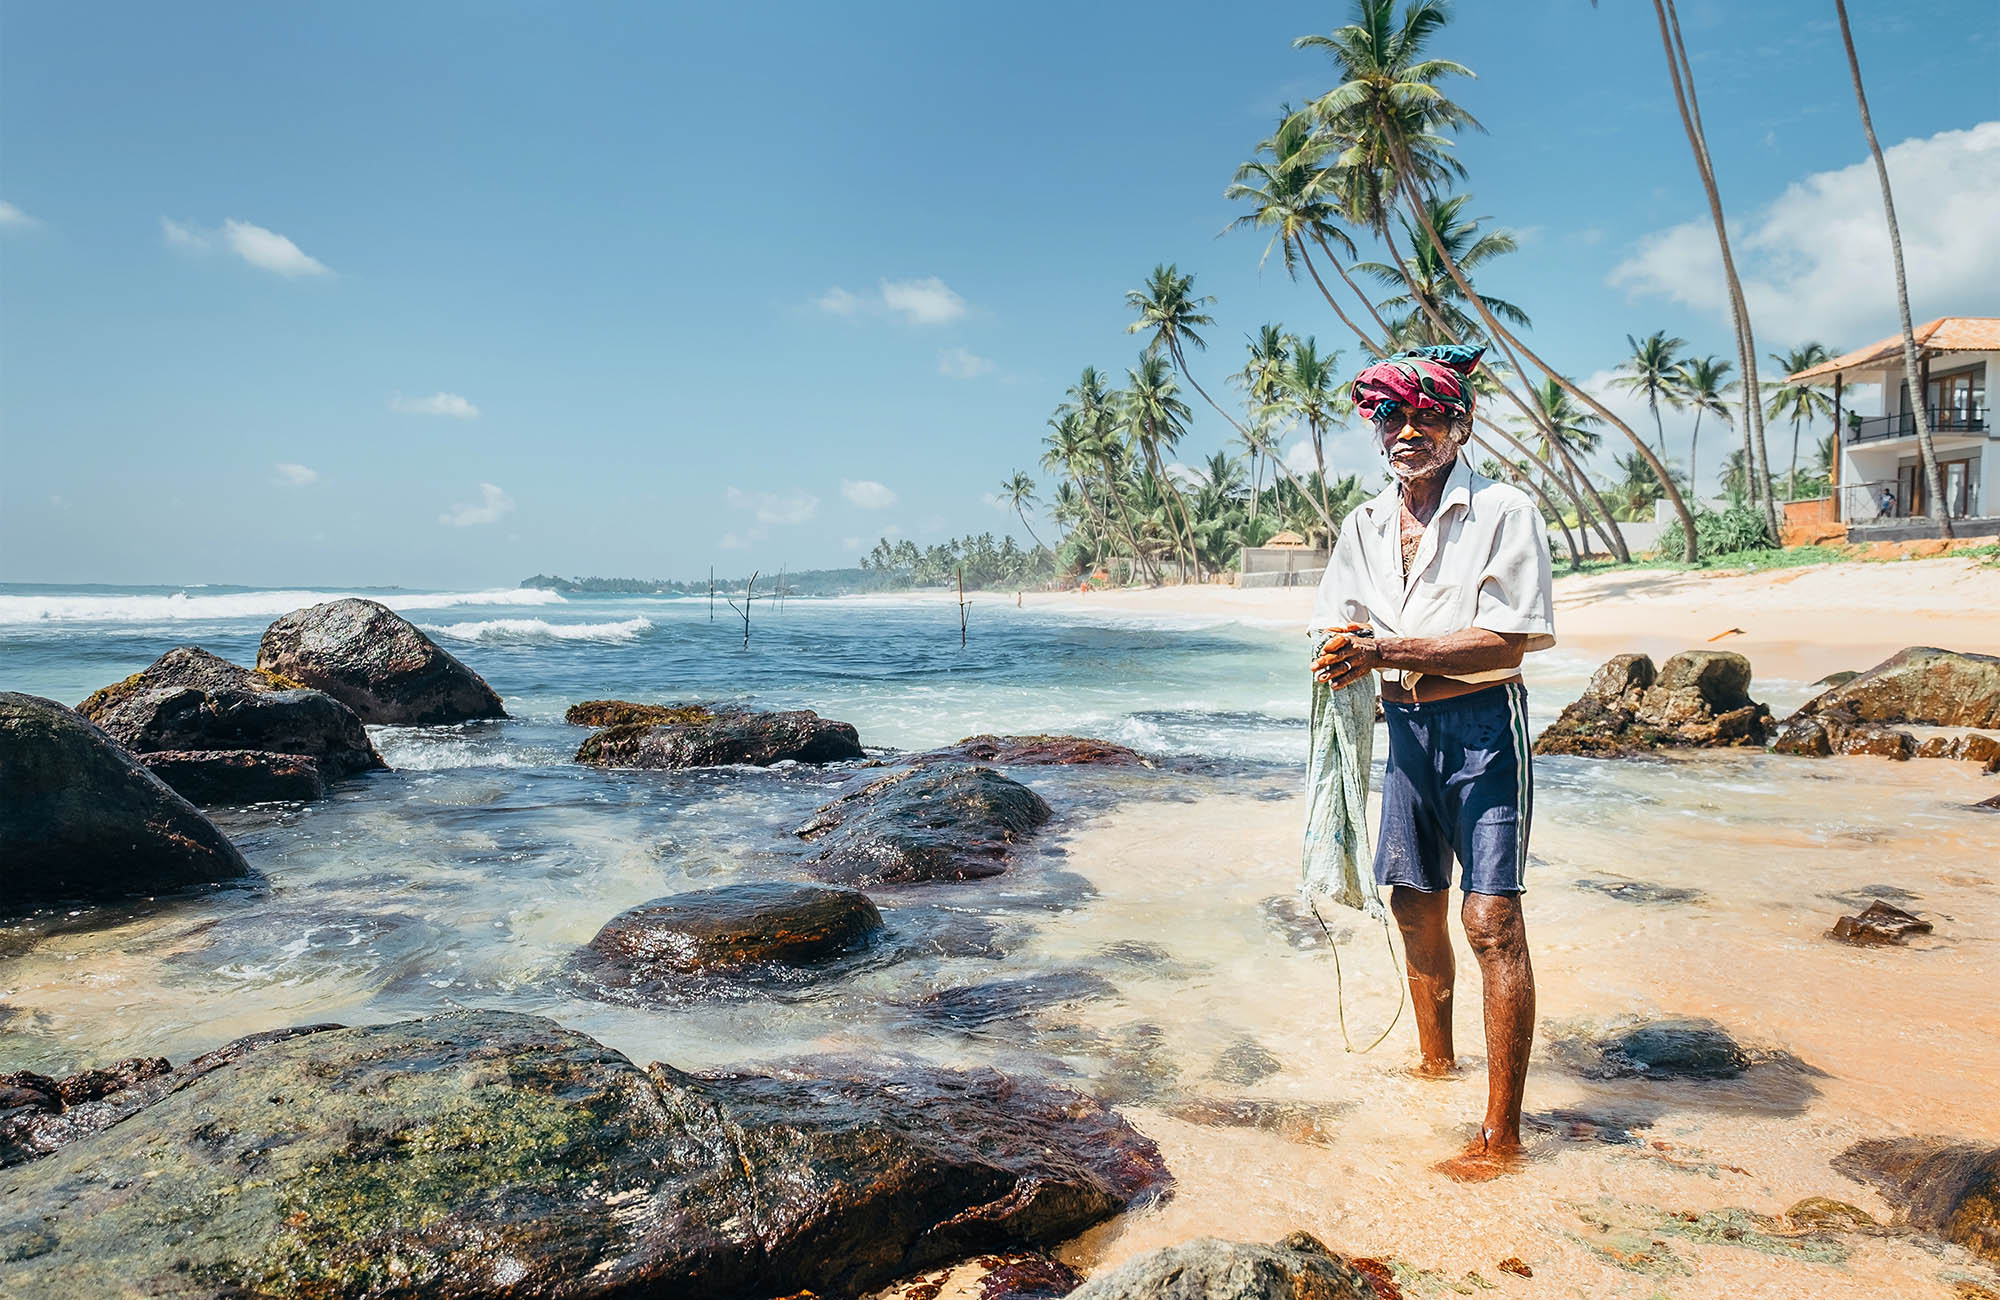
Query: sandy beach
column 1799, row 623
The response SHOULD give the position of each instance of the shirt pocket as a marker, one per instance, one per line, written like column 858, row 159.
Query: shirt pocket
column 1429, row 609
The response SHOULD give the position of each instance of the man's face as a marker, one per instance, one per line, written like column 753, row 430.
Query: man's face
column 1419, row 441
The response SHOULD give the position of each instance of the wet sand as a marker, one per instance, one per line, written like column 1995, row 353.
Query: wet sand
column 1887, row 1042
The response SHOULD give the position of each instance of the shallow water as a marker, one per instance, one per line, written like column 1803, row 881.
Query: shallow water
column 1142, row 948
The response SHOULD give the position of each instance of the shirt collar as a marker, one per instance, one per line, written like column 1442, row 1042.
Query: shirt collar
column 1385, row 507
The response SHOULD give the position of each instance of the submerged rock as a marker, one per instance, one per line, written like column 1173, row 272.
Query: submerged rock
column 486, row 1154
column 191, row 701
column 1697, row 698
column 1879, row 923
column 1950, row 1188
column 377, row 663
column 928, row 823
column 970, row 1007
column 80, row 818
column 1038, row 751
column 38, row 1114
column 1657, row 1049
column 1297, row 1268
column 212, row 776
column 737, row 927
column 718, row 739
column 1642, row 891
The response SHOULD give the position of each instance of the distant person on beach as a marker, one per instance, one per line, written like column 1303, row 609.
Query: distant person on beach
column 1448, row 572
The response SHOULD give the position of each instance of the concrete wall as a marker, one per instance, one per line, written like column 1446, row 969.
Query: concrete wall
column 1639, row 537
column 1281, row 559
column 1296, row 578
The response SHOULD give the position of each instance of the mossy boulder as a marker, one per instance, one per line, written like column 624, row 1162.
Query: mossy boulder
column 488, row 1154
column 1697, row 698
column 1949, row 1188
column 377, row 663
column 1297, row 1268
column 1922, row 685
column 81, row 818
column 1038, row 751
column 721, row 739
column 929, row 823
column 192, row 701
column 624, row 713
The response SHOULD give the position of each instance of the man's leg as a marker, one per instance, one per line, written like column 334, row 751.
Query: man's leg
column 1427, row 952
column 1499, row 938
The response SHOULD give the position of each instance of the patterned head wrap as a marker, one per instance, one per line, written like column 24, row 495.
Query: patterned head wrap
column 1432, row 378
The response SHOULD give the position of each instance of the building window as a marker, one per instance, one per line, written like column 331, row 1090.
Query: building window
column 1958, row 401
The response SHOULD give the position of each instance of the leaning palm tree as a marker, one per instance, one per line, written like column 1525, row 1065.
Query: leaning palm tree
column 1270, row 348
column 1650, row 370
column 1019, row 493
column 1070, row 452
column 1568, row 431
column 1390, row 113
column 1940, row 508
column 1799, row 403
column 1310, row 389
column 1155, row 420
column 1681, row 73
column 1097, row 414
column 1704, row 384
column 1430, row 294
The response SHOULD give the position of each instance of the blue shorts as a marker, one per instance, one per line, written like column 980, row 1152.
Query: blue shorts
column 1459, row 784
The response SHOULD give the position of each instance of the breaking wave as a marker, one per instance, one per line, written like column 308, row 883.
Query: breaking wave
column 535, row 629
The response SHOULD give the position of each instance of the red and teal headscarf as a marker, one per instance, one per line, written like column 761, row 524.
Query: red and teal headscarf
column 1432, row 378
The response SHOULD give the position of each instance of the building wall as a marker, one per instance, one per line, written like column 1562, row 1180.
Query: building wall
column 1883, row 461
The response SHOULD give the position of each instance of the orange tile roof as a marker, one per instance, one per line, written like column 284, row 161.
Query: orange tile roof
column 1945, row 334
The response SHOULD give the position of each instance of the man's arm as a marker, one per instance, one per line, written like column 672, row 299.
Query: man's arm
column 1474, row 650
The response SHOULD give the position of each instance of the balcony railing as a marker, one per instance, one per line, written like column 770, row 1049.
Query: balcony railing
column 1949, row 419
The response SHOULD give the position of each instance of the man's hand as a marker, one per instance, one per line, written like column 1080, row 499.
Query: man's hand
column 1347, row 657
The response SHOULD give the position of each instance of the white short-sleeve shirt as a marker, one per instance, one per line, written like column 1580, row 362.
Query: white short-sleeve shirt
column 1484, row 562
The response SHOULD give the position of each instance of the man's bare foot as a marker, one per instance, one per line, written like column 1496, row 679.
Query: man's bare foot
column 1485, row 1158
column 1436, row 1068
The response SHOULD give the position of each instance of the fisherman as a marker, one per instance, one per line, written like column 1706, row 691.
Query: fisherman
column 1441, row 584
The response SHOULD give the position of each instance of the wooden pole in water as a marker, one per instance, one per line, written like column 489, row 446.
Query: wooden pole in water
column 961, row 607
column 711, row 593
column 749, row 590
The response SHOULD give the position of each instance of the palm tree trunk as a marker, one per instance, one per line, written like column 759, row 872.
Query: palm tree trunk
column 1098, row 528
column 1131, row 538
column 1694, row 447
column 1314, row 272
column 1528, row 481
column 1746, row 345
column 1940, row 508
column 1354, row 288
column 1659, row 430
column 1023, row 517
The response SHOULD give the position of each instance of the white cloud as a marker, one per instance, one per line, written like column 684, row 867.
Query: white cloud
column 867, row 493
column 837, row 302
column 12, row 218
column 958, row 363
column 451, row 404
column 292, row 474
column 1299, row 458
column 181, row 235
column 268, row 250
column 852, row 544
column 1815, row 262
column 731, row 542
column 493, row 504
column 928, row 301
column 774, row 508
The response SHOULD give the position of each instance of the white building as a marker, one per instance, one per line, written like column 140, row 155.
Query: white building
column 1879, row 480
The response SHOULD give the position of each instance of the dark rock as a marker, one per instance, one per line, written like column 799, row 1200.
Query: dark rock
column 1803, row 737
column 1873, row 742
column 1026, row 1277
column 624, row 713
column 211, row 776
column 1297, row 1268
column 1038, row 751
column 1840, row 678
column 1698, row 698
column 925, row 824
column 190, row 700
column 723, row 739
column 1922, row 685
column 1658, row 1049
column 1879, row 923
column 1968, row 747
column 485, row 1154
column 1245, row 1061
column 38, row 1115
column 81, row 819
column 1642, row 891
column 377, row 663
column 738, row 926
column 974, row 1006
column 1950, row 1188
column 1989, row 805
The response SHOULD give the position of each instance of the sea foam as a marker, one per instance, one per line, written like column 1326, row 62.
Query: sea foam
column 535, row 629
column 184, row 607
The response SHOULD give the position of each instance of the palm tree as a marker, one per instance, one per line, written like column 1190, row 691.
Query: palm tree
column 1928, row 454
column 1390, row 114
column 1261, row 376
column 1431, row 294
column 1799, row 403
column 1310, row 388
column 1681, row 72
column 1567, row 430
column 1019, row 492
column 1097, row 413
column 1650, row 370
column 1155, row 419
column 1169, row 307
column 1070, row 451
column 1703, row 383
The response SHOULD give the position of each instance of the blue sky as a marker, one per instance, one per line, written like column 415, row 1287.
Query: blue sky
column 444, row 295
